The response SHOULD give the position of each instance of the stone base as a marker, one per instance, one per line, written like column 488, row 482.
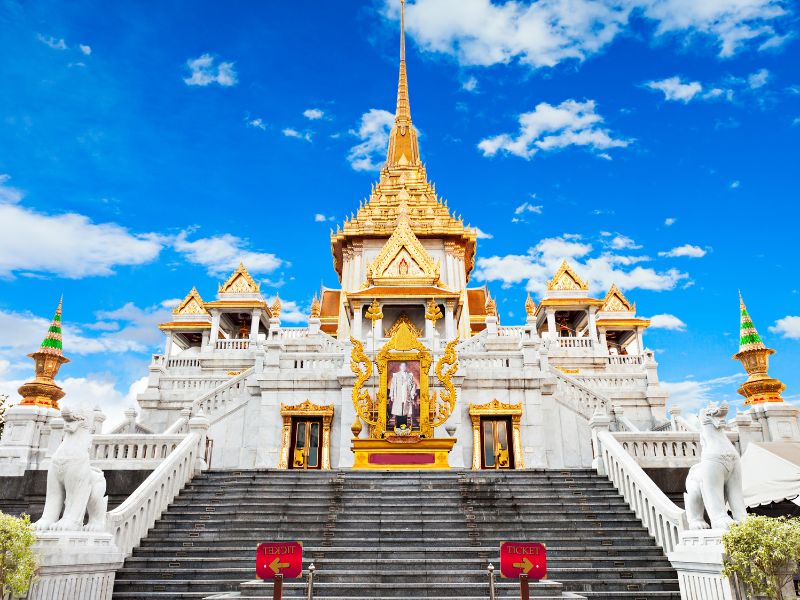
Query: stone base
column 698, row 561
column 418, row 455
column 75, row 565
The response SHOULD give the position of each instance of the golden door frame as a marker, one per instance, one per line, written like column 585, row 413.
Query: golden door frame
column 404, row 346
column 495, row 408
column 306, row 409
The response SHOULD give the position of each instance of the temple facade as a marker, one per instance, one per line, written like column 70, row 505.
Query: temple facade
column 505, row 396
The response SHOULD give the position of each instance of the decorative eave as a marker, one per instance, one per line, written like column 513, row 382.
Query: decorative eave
column 243, row 303
column 306, row 408
column 566, row 279
column 240, row 282
column 632, row 322
column 577, row 303
column 192, row 304
column 185, row 325
column 495, row 407
column 615, row 301
column 424, row 292
column 403, row 248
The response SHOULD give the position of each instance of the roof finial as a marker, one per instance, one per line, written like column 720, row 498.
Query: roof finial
column 754, row 356
column 403, row 138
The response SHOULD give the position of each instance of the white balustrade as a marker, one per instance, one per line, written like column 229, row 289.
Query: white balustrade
column 311, row 364
column 130, row 521
column 575, row 342
column 132, row 451
column 233, row 344
column 291, row 333
column 489, row 362
column 625, row 360
column 473, row 344
column 613, row 382
column 577, row 396
column 183, row 363
column 662, row 517
column 190, row 383
column 222, row 398
column 667, row 449
column 330, row 343
column 511, row 331
column 159, row 361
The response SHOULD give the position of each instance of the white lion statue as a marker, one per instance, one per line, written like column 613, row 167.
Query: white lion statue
column 717, row 478
column 73, row 483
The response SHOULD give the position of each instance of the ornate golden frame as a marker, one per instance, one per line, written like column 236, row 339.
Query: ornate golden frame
column 306, row 409
column 495, row 408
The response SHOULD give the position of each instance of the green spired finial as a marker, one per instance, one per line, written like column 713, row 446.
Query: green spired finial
column 748, row 336
column 52, row 341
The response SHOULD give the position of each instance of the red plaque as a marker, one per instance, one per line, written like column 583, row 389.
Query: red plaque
column 521, row 558
column 284, row 558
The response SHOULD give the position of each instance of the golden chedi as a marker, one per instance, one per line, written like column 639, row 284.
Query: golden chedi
column 43, row 390
column 754, row 355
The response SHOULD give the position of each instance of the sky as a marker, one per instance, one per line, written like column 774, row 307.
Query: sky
column 147, row 149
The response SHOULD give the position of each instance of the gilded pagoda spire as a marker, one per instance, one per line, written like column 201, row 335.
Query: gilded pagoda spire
column 754, row 356
column 43, row 390
column 403, row 145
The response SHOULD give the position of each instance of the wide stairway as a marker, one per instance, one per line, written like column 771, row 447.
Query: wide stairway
column 398, row 534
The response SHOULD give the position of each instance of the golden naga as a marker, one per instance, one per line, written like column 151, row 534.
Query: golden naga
column 444, row 403
column 361, row 365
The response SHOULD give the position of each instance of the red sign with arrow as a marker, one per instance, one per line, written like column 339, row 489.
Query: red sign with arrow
column 279, row 558
column 520, row 558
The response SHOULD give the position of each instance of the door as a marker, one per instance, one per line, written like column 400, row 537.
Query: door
column 497, row 450
column 306, row 449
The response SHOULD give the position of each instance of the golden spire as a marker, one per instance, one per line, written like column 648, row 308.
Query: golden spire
column 43, row 390
column 403, row 146
column 316, row 308
column 275, row 309
column 530, row 306
column 754, row 356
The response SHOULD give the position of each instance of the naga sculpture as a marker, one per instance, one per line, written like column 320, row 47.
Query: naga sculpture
column 73, row 484
column 717, row 478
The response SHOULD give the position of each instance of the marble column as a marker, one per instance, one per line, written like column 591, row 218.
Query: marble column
column 551, row 323
column 255, row 321
column 215, row 317
column 639, row 341
column 428, row 325
column 449, row 320
column 358, row 320
column 168, row 345
column 603, row 341
column 593, row 323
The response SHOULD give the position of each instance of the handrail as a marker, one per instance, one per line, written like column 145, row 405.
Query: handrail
column 476, row 340
column 662, row 517
column 204, row 403
column 131, row 520
column 588, row 399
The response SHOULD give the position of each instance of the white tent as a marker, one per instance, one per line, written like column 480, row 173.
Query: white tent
column 771, row 473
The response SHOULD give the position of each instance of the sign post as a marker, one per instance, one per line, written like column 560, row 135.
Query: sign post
column 523, row 558
column 279, row 561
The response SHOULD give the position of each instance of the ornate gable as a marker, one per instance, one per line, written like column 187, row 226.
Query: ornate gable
column 615, row 301
column 402, row 320
column 240, row 282
column 403, row 260
column 191, row 305
column 566, row 279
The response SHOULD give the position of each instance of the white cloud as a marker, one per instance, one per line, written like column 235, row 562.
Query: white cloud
column 69, row 245
column 55, row 44
column 320, row 218
column 85, row 48
column 687, row 250
column 313, row 114
column 788, row 327
column 373, row 131
column 527, row 207
column 257, row 124
column 540, row 263
column 667, row 321
column 623, row 242
column 293, row 133
column 204, row 72
column 758, row 79
column 221, row 254
column 482, row 235
column 669, row 221
column 470, row 85
column 547, row 32
column 674, row 89
column 9, row 194
column 549, row 127
column 291, row 312
column 691, row 394
column 735, row 184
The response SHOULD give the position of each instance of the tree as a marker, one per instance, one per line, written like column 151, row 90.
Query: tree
column 3, row 400
column 17, row 558
column 763, row 553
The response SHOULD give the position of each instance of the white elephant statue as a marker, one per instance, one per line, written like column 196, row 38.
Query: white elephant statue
column 73, row 484
column 715, row 483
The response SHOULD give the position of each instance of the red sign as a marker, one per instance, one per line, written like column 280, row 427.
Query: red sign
column 520, row 558
column 279, row 558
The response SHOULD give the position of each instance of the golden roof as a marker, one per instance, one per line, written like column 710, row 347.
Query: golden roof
column 404, row 291
column 615, row 301
column 240, row 282
column 403, row 260
column 188, row 325
column 192, row 304
column 566, row 279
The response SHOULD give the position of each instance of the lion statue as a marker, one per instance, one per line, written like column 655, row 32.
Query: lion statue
column 73, row 483
column 717, row 478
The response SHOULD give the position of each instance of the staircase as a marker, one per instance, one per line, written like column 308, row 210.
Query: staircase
column 398, row 535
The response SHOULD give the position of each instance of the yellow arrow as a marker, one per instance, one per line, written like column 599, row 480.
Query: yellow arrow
column 276, row 565
column 526, row 565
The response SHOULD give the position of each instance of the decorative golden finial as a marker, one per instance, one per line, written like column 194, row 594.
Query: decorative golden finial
column 530, row 306
column 491, row 305
column 43, row 390
column 316, row 308
column 432, row 311
column 374, row 311
column 276, row 307
column 754, row 356
column 403, row 138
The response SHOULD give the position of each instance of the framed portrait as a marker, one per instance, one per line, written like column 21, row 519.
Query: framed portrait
column 403, row 395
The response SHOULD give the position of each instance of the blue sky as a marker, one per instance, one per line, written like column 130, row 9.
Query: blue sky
column 144, row 151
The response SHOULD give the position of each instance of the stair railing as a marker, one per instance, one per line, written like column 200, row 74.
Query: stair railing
column 131, row 520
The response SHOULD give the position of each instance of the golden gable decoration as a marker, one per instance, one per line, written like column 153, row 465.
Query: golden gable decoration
column 403, row 319
column 240, row 282
column 615, row 301
column 191, row 305
column 566, row 279
column 403, row 260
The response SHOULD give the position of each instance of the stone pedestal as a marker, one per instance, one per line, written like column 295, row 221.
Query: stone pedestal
column 75, row 565
column 698, row 560
column 402, row 454
column 24, row 444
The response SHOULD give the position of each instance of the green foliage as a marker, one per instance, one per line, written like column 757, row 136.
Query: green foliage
column 763, row 553
column 3, row 400
column 17, row 558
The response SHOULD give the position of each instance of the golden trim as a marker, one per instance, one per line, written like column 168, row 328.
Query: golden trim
column 402, row 319
column 174, row 325
column 192, row 304
column 566, row 279
column 615, row 301
column 495, row 408
column 442, row 407
column 306, row 409
column 240, row 282
column 361, row 365
column 634, row 322
column 403, row 245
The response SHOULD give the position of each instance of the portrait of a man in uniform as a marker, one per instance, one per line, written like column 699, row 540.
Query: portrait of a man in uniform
column 403, row 395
